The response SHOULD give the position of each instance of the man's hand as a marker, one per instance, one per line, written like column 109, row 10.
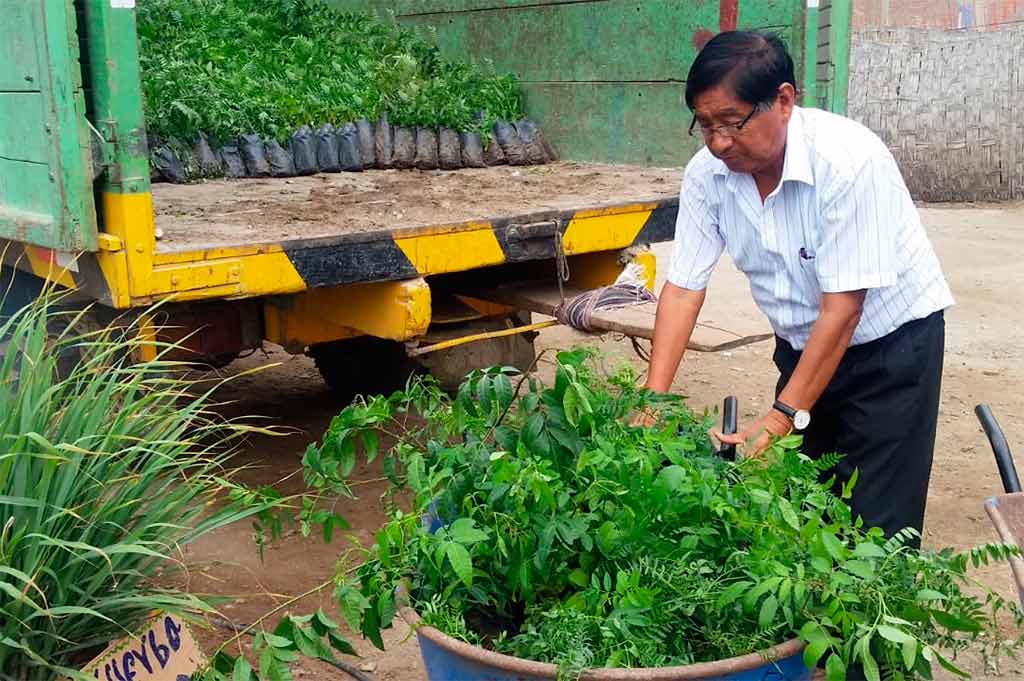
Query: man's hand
column 756, row 437
column 645, row 418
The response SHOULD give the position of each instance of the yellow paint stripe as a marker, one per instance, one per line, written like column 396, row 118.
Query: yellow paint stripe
column 240, row 251
column 256, row 275
column 129, row 218
column 604, row 230
column 43, row 262
column 453, row 251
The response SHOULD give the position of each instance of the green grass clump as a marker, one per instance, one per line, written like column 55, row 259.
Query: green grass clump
column 227, row 67
column 108, row 469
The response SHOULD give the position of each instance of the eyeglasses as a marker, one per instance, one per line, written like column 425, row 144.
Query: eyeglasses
column 729, row 131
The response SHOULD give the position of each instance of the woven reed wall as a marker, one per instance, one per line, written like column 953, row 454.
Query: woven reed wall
column 949, row 105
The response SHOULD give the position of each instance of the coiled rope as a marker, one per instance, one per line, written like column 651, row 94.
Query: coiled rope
column 578, row 312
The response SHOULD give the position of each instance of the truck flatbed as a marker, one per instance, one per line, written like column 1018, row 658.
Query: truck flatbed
column 275, row 236
column 376, row 203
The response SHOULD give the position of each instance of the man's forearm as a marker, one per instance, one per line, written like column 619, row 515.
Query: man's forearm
column 677, row 315
column 829, row 339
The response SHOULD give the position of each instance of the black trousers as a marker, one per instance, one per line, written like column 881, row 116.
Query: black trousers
column 880, row 411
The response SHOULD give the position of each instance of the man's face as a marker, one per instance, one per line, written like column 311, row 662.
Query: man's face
column 760, row 144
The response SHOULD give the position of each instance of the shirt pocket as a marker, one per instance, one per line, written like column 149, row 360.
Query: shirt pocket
column 807, row 259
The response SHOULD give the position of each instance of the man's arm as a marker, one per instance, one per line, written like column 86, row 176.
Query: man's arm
column 673, row 325
column 838, row 316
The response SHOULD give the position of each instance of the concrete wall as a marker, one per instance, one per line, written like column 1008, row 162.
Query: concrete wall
column 950, row 105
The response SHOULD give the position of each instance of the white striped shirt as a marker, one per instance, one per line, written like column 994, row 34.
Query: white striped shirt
column 841, row 219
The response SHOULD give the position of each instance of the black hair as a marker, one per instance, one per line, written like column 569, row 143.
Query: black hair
column 753, row 63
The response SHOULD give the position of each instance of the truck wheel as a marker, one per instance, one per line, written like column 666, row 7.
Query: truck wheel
column 18, row 290
column 364, row 365
column 450, row 366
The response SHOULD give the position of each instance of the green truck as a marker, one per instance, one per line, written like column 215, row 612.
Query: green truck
column 357, row 275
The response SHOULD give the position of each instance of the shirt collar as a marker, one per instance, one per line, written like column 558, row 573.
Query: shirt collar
column 797, row 164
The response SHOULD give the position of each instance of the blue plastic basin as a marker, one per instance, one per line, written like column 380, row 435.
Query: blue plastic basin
column 448, row 659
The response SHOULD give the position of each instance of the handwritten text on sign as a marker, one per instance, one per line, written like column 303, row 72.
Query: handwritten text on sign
column 164, row 651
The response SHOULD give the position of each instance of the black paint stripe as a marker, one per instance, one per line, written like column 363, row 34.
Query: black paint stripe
column 660, row 225
column 336, row 264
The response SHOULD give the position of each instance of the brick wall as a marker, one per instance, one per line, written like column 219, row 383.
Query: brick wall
column 937, row 14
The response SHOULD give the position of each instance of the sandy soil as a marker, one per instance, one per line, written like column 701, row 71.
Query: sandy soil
column 980, row 249
column 255, row 211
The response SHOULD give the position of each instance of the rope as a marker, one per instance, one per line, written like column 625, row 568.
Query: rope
column 561, row 264
column 579, row 311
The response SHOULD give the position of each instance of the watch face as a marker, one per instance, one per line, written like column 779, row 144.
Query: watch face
column 802, row 419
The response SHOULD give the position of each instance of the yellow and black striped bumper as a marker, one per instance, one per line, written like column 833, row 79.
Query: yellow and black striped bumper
column 130, row 271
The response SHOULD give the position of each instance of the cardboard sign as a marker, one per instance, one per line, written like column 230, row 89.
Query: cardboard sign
column 165, row 650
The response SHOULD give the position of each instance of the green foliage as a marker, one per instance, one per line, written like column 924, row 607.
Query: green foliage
column 313, row 636
column 227, row 67
column 107, row 470
column 559, row 533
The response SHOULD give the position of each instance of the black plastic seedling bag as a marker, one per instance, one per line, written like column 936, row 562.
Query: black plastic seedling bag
column 472, row 150
column 405, row 148
column 367, row 143
column 511, row 144
column 254, row 155
column 304, row 151
column 327, row 149
column 231, row 161
column 168, row 166
column 449, row 150
column 531, row 137
column 426, row 149
column 206, row 161
column 493, row 155
column 281, row 162
column 348, row 148
column 384, row 143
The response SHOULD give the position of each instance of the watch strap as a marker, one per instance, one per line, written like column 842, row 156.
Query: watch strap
column 784, row 408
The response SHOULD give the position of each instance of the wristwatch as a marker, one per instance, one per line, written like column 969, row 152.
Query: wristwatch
column 801, row 418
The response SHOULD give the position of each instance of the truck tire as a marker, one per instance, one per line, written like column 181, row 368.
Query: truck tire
column 451, row 365
column 364, row 365
column 18, row 290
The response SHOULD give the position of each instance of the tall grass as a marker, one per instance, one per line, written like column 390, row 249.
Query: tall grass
column 106, row 472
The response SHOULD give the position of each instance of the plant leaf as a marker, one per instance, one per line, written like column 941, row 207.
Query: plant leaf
column 458, row 556
column 813, row 652
column 835, row 668
column 242, row 670
column 768, row 609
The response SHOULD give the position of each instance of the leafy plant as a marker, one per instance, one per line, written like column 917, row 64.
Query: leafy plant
column 559, row 533
column 226, row 67
column 107, row 469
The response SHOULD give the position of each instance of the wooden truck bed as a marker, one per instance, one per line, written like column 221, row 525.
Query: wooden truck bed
column 379, row 204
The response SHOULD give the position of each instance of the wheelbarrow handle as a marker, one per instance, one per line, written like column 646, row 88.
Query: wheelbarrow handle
column 1000, row 448
column 730, row 409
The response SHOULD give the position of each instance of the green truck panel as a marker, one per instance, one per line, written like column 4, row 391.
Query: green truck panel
column 615, row 121
column 18, row 49
column 45, row 172
column 605, row 77
column 115, row 94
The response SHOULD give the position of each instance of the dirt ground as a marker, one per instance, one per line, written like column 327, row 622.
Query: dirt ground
column 257, row 211
column 979, row 248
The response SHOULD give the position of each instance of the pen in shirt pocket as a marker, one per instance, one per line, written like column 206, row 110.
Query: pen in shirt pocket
column 804, row 255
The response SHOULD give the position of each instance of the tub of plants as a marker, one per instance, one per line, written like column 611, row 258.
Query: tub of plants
column 566, row 543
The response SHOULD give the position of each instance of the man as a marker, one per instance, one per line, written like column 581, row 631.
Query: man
column 812, row 208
